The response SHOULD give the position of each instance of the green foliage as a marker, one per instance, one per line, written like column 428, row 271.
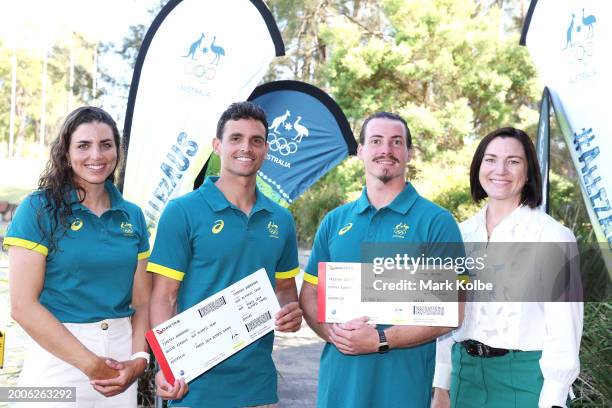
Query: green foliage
column 446, row 182
column 442, row 64
column 566, row 205
column 349, row 175
column 213, row 165
column 299, row 28
column 458, row 200
column 594, row 385
column 312, row 206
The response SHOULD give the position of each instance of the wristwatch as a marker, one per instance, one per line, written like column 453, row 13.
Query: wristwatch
column 383, row 344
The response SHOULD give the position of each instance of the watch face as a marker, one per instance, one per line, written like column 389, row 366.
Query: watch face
column 383, row 348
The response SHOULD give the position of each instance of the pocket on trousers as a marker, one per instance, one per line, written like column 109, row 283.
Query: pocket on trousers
column 527, row 378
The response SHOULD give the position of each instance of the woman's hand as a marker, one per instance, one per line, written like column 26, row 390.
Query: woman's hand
column 97, row 369
column 441, row 398
column 126, row 373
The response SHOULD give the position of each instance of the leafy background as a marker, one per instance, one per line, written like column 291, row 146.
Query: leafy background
column 452, row 68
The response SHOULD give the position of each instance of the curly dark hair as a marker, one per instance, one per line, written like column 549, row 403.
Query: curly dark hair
column 241, row 110
column 57, row 180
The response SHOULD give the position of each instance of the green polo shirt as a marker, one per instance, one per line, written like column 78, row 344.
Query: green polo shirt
column 90, row 265
column 207, row 243
column 402, row 377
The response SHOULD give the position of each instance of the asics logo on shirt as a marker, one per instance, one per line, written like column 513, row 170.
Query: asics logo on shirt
column 217, row 226
column 345, row 229
column 77, row 224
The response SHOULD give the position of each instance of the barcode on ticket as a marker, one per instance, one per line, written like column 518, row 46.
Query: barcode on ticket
column 258, row 321
column 428, row 310
column 212, row 306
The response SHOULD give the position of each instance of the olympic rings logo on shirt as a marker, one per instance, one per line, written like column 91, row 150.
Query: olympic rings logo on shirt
column 280, row 144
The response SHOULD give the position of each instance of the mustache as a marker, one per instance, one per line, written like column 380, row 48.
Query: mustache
column 387, row 157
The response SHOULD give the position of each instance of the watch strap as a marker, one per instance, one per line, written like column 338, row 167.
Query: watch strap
column 383, row 344
column 141, row 354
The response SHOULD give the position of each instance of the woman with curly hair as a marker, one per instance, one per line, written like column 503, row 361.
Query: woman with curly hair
column 77, row 260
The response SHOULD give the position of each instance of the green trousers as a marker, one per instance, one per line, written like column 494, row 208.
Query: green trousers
column 510, row 381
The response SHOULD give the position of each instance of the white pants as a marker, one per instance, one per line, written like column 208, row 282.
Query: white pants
column 43, row 369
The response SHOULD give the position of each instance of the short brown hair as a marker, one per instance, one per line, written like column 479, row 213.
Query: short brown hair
column 388, row 116
column 532, row 190
column 241, row 110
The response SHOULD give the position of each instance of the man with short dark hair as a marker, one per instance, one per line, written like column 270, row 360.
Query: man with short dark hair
column 363, row 365
column 215, row 236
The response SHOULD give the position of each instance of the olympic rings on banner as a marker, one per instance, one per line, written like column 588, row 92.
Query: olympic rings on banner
column 280, row 144
column 202, row 72
column 581, row 53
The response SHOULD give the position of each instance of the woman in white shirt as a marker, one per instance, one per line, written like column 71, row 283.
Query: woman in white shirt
column 514, row 354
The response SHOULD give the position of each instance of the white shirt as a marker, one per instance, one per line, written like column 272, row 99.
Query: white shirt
column 553, row 327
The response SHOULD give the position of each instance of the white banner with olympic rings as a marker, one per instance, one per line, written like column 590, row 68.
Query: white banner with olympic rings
column 570, row 44
column 197, row 58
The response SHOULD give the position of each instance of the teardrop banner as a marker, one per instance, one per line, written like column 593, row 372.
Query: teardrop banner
column 542, row 146
column 569, row 43
column 308, row 135
column 192, row 64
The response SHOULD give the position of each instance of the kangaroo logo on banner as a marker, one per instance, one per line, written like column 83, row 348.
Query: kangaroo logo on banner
column 192, row 65
column 308, row 135
column 579, row 44
column 286, row 140
column 569, row 43
column 202, row 61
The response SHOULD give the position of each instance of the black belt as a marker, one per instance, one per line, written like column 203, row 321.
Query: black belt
column 478, row 349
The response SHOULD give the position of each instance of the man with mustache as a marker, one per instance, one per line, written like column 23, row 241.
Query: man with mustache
column 215, row 236
column 363, row 365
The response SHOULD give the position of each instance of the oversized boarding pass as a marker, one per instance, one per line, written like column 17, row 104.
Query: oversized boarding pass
column 340, row 298
column 207, row 333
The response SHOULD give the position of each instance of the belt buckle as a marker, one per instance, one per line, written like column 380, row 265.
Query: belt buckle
column 471, row 347
column 482, row 351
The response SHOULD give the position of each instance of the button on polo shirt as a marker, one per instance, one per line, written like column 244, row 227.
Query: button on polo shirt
column 207, row 243
column 90, row 265
column 403, row 376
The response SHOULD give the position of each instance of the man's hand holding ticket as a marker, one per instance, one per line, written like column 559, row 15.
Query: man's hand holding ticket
column 207, row 333
column 341, row 298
